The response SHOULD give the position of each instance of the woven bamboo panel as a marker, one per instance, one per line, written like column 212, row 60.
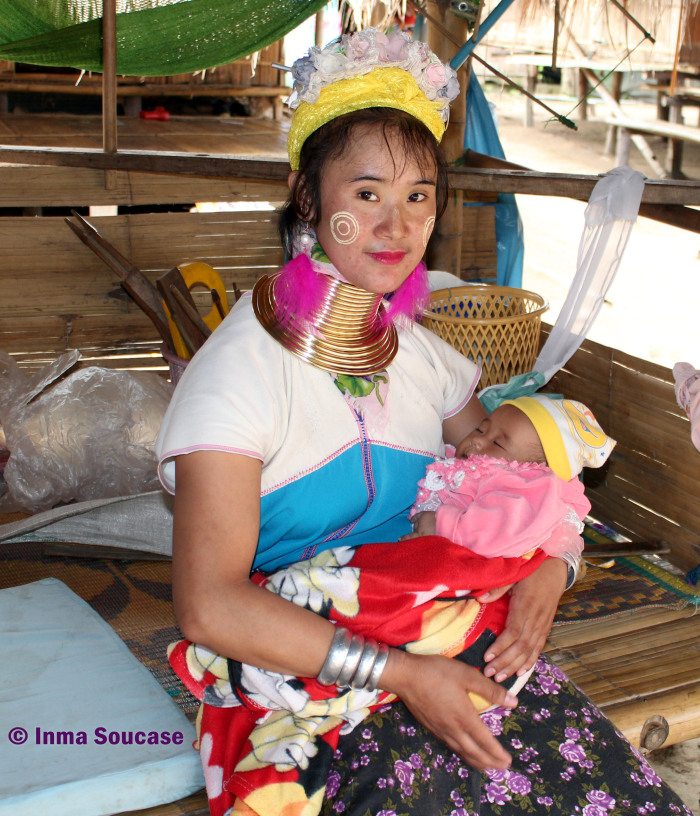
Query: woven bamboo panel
column 479, row 260
column 497, row 327
column 612, row 672
column 649, row 489
column 58, row 295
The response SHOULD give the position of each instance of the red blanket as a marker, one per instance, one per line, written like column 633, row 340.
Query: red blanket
column 267, row 740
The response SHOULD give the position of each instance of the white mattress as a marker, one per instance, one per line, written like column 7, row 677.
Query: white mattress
column 63, row 669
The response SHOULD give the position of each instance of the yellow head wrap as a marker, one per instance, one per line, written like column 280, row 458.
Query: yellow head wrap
column 380, row 88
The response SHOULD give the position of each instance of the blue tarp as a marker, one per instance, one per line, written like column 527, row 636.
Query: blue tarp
column 481, row 135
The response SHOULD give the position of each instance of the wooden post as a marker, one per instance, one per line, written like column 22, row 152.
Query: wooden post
column 109, row 84
column 611, row 135
column 582, row 95
column 445, row 247
column 532, row 72
column 318, row 33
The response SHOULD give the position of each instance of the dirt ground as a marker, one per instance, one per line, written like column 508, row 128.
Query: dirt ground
column 651, row 308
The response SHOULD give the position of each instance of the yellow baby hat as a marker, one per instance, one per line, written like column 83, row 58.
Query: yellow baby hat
column 570, row 435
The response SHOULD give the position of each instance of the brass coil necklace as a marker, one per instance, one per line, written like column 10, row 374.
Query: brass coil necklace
column 348, row 335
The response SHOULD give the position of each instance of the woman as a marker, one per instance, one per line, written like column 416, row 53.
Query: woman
column 285, row 437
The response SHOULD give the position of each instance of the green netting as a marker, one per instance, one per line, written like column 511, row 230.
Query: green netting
column 154, row 37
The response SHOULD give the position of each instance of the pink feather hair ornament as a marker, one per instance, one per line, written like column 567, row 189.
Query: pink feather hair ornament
column 299, row 292
column 411, row 299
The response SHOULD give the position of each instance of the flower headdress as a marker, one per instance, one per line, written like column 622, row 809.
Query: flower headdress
column 365, row 70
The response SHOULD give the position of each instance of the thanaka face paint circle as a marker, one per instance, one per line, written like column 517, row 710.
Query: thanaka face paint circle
column 428, row 229
column 344, row 228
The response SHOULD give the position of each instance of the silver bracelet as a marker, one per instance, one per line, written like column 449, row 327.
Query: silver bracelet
column 378, row 668
column 366, row 664
column 352, row 661
column 335, row 659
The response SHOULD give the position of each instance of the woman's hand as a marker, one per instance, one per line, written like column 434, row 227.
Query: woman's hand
column 533, row 604
column 436, row 690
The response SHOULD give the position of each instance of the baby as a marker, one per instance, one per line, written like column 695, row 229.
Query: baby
column 513, row 486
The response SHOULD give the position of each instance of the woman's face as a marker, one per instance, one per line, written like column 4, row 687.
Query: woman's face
column 377, row 211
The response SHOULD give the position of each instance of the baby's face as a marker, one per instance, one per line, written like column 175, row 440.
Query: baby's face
column 507, row 434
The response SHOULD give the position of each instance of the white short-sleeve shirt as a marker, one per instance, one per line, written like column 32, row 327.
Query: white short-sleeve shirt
column 326, row 477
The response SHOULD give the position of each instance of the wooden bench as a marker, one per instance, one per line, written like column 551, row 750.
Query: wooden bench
column 677, row 134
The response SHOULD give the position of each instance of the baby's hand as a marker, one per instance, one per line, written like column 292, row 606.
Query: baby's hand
column 423, row 525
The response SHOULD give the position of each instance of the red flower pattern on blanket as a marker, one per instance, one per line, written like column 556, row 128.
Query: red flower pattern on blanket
column 266, row 739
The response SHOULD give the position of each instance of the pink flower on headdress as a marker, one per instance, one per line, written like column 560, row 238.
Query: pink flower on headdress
column 396, row 48
column 436, row 75
column 330, row 63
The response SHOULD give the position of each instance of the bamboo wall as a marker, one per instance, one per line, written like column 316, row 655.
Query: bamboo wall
column 57, row 295
column 651, row 485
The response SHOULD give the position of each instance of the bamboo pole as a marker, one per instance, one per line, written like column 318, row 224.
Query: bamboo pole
column 109, row 84
column 445, row 247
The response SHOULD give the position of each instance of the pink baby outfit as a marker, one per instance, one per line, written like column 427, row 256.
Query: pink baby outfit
column 498, row 508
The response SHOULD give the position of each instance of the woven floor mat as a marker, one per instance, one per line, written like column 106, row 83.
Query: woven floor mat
column 632, row 583
column 134, row 597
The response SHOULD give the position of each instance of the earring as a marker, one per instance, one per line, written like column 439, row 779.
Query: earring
column 307, row 238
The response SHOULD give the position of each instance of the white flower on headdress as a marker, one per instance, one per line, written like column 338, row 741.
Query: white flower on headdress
column 358, row 54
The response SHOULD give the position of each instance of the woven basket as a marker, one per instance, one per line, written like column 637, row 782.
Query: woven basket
column 495, row 326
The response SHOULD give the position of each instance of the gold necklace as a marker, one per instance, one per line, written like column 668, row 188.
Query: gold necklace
column 347, row 336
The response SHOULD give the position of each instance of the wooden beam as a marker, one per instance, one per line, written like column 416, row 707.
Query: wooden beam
column 207, row 165
column 143, row 89
column 109, row 84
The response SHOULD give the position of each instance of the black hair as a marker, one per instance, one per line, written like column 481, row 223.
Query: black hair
column 330, row 141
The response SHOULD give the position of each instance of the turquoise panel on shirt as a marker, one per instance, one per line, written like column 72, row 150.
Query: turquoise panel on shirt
column 329, row 507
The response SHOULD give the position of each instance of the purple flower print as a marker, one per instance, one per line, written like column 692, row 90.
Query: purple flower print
column 497, row 794
column 333, row 784
column 496, row 774
column 650, row 775
column 516, row 743
column 381, row 782
column 572, row 751
column 594, row 810
column 367, row 733
column 364, row 760
column 572, row 733
column 404, row 773
column 548, row 684
column 386, row 813
column 456, row 798
column 545, row 800
column 339, row 807
column 557, row 674
column 459, row 812
column 650, row 806
column 416, row 760
column 493, row 722
column 600, row 797
column 519, row 784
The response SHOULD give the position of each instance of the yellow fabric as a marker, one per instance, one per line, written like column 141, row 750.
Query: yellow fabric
column 549, row 433
column 380, row 88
